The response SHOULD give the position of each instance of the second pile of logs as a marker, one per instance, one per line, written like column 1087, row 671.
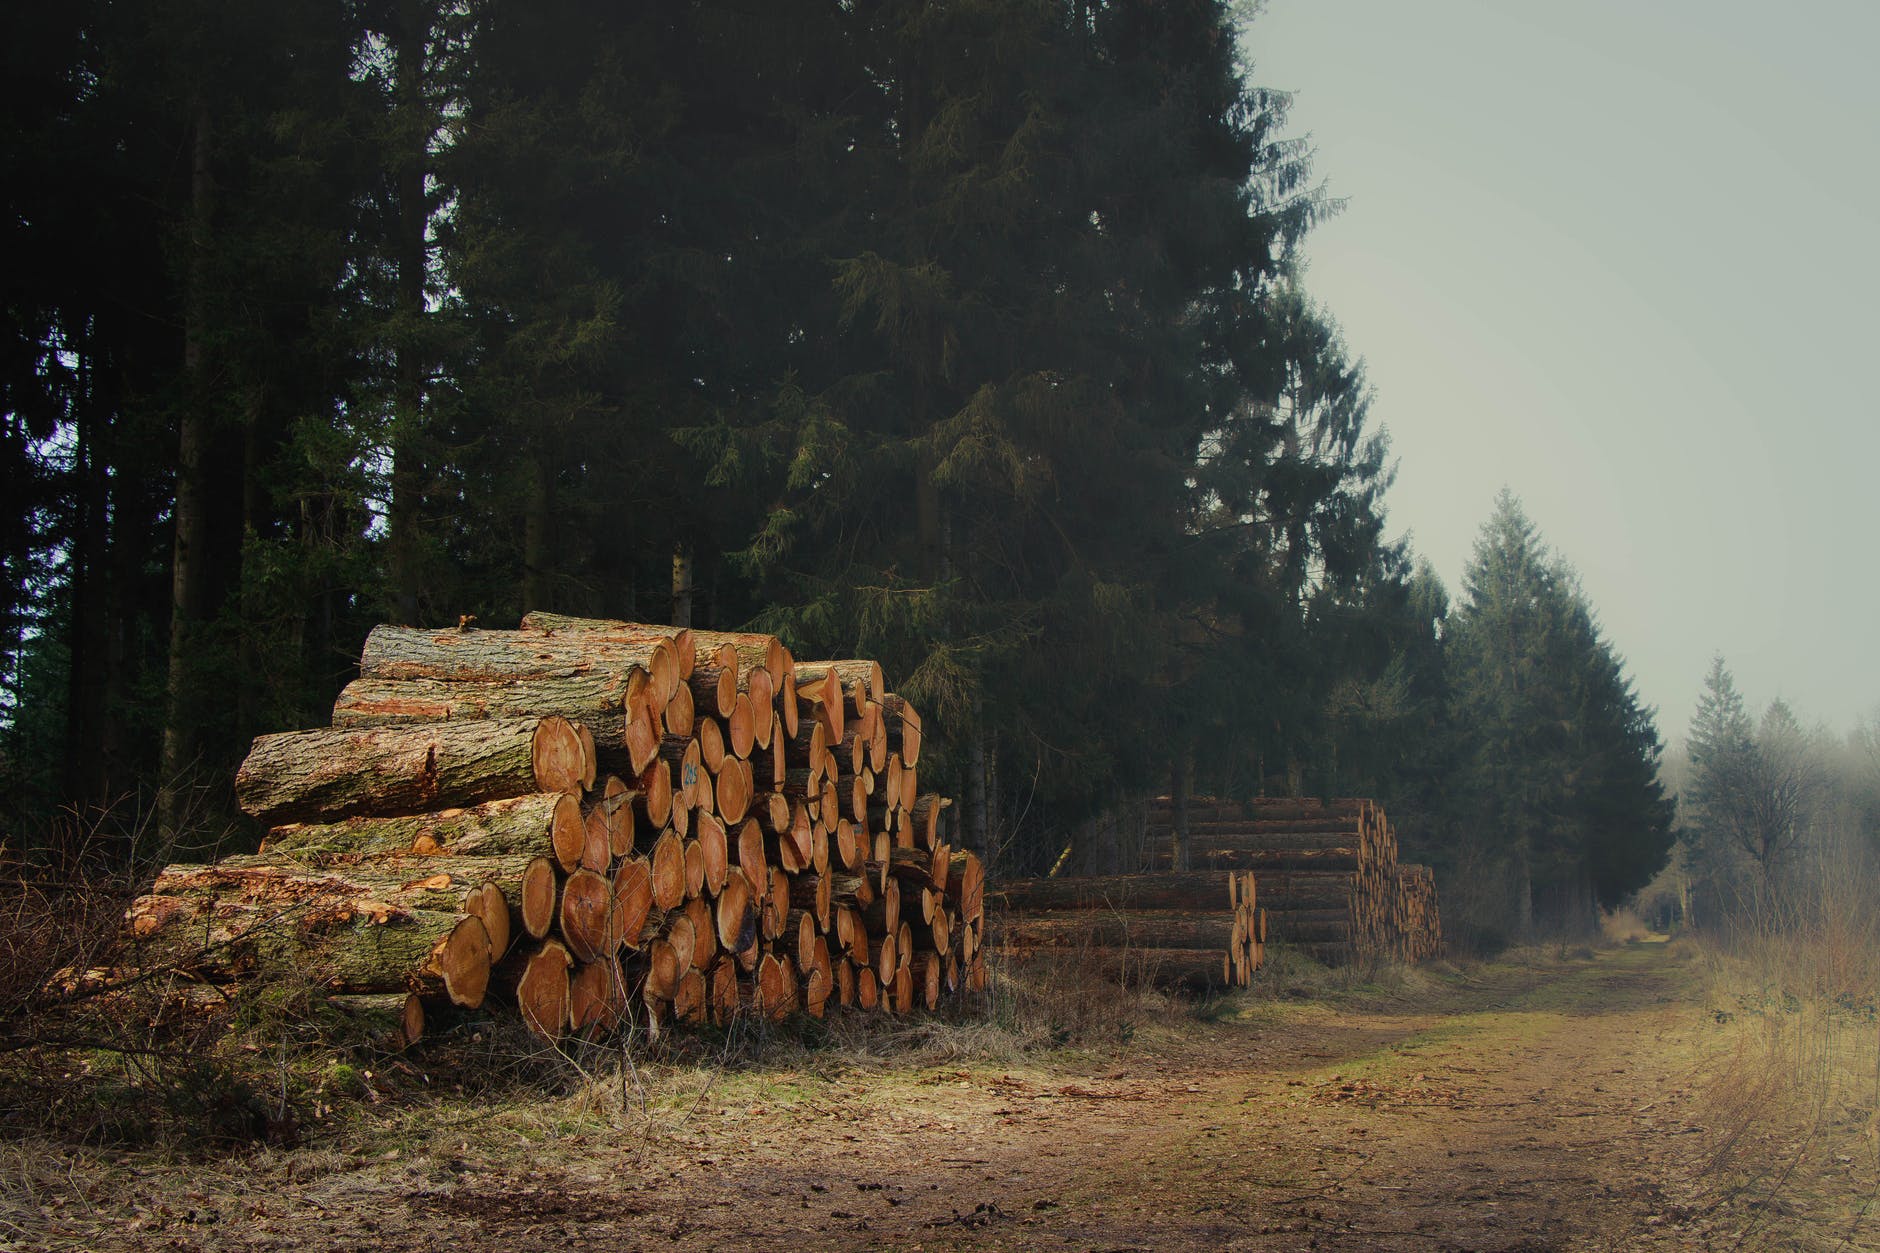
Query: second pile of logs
column 1202, row 929
column 582, row 816
column 1328, row 872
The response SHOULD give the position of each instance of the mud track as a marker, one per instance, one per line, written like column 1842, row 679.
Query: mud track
column 1531, row 1109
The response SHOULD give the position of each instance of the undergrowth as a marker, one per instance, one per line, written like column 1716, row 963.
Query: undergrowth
column 1790, row 1088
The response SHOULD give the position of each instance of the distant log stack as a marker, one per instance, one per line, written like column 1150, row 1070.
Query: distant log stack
column 593, row 820
column 1202, row 929
column 1327, row 871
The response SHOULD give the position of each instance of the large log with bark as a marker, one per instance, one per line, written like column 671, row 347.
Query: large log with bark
column 1196, row 891
column 214, row 924
column 303, row 776
column 1216, row 930
column 537, row 823
column 597, row 701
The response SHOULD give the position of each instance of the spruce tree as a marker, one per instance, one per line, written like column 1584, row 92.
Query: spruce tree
column 1560, row 775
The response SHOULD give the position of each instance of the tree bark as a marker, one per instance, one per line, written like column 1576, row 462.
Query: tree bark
column 523, row 824
column 325, row 775
column 596, row 701
column 202, row 921
column 190, row 542
column 1203, row 890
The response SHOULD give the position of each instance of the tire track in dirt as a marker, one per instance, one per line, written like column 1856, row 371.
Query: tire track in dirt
column 1537, row 1110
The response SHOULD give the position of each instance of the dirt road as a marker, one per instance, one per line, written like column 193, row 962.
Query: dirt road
column 1529, row 1109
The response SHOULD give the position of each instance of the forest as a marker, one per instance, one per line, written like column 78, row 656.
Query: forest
column 970, row 337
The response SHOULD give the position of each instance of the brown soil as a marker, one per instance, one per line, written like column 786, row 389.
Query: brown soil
column 1546, row 1107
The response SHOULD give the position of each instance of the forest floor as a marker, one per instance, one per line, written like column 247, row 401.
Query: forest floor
column 1562, row 1102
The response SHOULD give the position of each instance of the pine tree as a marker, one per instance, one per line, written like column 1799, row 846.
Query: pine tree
column 1751, row 792
column 1560, row 774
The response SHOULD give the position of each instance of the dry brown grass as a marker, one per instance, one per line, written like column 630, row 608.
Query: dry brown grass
column 1791, row 1090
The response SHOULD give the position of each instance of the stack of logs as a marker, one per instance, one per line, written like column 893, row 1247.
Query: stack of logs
column 1202, row 929
column 580, row 816
column 1328, row 872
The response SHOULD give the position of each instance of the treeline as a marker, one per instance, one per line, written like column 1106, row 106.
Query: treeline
column 1779, row 823
column 967, row 337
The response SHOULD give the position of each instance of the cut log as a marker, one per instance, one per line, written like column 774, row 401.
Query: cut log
column 704, row 932
column 587, row 902
column 927, row 811
column 902, row 725
column 679, row 716
column 776, row 904
column 750, row 648
column 820, row 700
column 618, row 803
column 205, row 923
column 485, row 656
column 775, row 993
column 1200, row 890
column 308, row 776
column 735, row 921
column 751, row 857
column 632, row 903
column 523, row 824
column 859, row 680
column 966, row 885
column 714, row 688
column 694, row 868
column 787, row 707
column 542, row 622
column 877, row 726
column 654, row 797
column 641, row 741
column 682, row 934
column 735, row 790
column 595, row 701
column 668, row 866
column 397, row 881
column 845, row 851
column 811, row 893
column 926, row 973
column 779, row 766
column 711, row 744
column 397, row 1015
column 714, row 848
column 542, row 991
column 597, row 999
column 489, row 902
column 690, row 1000
column 596, row 851
column 741, row 727
column 1217, row 931
column 1203, row 856
column 722, row 992
column 540, row 895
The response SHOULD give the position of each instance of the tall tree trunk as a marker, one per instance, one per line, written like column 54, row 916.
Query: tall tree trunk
column 1524, row 890
column 404, row 534
column 85, row 765
column 1178, row 795
column 251, row 673
column 681, row 585
column 537, row 519
column 926, row 496
column 190, row 547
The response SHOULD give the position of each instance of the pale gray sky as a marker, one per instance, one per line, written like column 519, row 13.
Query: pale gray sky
column 1623, row 258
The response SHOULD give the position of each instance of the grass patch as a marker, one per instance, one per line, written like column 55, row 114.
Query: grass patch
column 1790, row 1079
